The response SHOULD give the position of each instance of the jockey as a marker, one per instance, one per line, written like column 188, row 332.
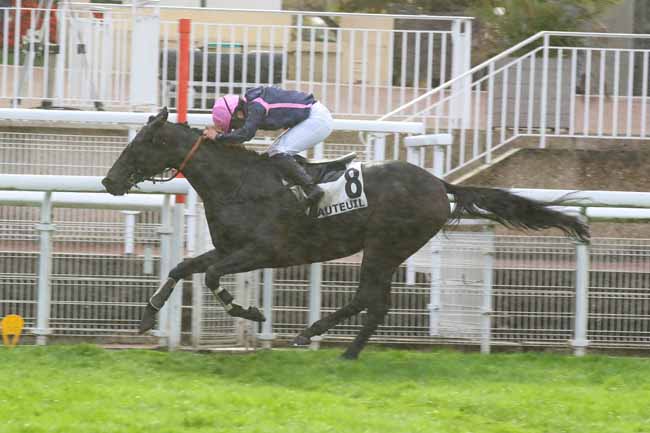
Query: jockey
column 308, row 122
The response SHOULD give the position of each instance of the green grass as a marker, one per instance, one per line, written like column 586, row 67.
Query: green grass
column 86, row 389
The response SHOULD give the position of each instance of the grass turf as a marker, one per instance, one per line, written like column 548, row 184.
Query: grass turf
column 86, row 389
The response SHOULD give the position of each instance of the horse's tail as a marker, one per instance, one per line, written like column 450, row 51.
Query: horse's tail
column 513, row 211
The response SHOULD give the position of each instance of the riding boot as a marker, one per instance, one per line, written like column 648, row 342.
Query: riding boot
column 298, row 175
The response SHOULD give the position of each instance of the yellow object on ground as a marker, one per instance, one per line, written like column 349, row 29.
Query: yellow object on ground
column 12, row 327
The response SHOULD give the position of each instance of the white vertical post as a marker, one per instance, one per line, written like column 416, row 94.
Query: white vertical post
column 315, row 279
column 410, row 271
column 580, row 342
column 17, row 35
column 245, row 332
column 143, row 79
column 319, row 151
column 62, row 39
column 414, row 145
column 436, row 284
column 299, row 20
column 129, row 231
column 267, row 298
column 439, row 160
column 461, row 38
column 489, row 120
column 191, row 221
column 413, row 155
column 544, row 90
column 379, row 142
column 202, row 238
column 486, row 304
column 175, row 302
column 45, row 227
column 466, row 84
column 165, row 232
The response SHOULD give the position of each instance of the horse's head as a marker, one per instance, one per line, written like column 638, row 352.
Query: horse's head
column 144, row 157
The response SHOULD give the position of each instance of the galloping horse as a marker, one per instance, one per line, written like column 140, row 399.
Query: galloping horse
column 256, row 221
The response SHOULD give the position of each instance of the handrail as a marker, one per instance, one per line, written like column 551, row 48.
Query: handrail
column 505, row 54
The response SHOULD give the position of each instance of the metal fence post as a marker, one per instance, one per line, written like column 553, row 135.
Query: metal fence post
column 246, row 283
column 175, row 303
column 379, row 146
column 544, row 101
column 490, row 110
column 461, row 37
column 165, row 232
column 202, row 240
column 413, row 146
column 299, row 23
column 129, row 231
column 486, row 307
column 436, row 284
column 580, row 342
column 45, row 227
column 191, row 220
column 143, row 78
column 267, row 299
column 315, row 279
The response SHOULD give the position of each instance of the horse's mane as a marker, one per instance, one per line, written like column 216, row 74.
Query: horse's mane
column 241, row 150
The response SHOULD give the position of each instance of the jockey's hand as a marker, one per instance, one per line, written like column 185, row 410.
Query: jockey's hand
column 210, row 132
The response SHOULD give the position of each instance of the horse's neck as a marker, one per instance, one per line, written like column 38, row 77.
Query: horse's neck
column 209, row 176
column 219, row 174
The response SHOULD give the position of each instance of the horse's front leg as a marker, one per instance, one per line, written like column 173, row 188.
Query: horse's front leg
column 244, row 260
column 213, row 263
column 183, row 270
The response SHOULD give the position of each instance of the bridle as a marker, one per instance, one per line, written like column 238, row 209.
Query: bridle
column 189, row 156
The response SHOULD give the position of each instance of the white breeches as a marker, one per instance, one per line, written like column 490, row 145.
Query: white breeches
column 305, row 135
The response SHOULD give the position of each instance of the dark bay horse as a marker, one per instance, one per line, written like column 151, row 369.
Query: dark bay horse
column 256, row 222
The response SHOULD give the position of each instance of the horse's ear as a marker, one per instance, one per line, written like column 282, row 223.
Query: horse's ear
column 159, row 118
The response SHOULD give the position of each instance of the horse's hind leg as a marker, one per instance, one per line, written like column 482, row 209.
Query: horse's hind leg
column 377, row 286
column 373, row 294
column 323, row 325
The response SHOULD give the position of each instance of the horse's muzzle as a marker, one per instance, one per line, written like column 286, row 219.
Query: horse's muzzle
column 113, row 187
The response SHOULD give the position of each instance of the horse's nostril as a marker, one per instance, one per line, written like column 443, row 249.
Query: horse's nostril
column 106, row 182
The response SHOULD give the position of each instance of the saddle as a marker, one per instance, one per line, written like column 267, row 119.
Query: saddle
column 325, row 170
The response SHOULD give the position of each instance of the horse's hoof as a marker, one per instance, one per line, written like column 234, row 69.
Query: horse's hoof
column 252, row 313
column 148, row 319
column 301, row 341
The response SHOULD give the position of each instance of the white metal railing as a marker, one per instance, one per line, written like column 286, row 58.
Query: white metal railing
column 482, row 289
column 63, row 247
column 64, row 57
column 358, row 65
column 491, row 290
column 120, row 57
column 553, row 84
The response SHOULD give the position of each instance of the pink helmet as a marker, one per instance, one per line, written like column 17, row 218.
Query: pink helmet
column 223, row 110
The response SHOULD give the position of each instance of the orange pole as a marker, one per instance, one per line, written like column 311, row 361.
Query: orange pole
column 184, row 27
